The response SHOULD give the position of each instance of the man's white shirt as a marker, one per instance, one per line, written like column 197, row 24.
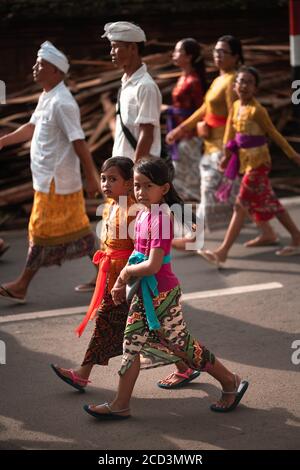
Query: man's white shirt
column 140, row 103
column 57, row 124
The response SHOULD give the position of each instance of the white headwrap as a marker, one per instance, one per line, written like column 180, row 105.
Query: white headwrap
column 123, row 31
column 49, row 53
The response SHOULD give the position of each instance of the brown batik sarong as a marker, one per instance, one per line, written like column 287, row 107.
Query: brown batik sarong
column 107, row 339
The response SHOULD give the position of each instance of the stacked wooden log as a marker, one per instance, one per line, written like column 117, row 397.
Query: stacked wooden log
column 94, row 84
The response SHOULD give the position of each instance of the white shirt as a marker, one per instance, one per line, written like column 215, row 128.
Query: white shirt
column 140, row 103
column 57, row 125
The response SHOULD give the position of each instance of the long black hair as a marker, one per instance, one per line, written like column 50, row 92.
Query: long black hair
column 124, row 165
column 192, row 47
column 235, row 46
column 157, row 171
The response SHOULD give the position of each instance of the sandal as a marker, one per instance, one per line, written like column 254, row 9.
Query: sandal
column 288, row 251
column 74, row 380
column 188, row 376
column 87, row 287
column 212, row 258
column 239, row 393
column 260, row 242
column 111, row 415
column 7, row 295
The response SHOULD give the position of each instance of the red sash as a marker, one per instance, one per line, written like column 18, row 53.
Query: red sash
column 103, row 258
column 215, row 121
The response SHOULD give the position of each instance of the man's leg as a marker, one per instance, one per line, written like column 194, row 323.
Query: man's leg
column 18, row 288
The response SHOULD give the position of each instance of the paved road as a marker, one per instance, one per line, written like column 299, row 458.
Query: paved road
column 252, row 332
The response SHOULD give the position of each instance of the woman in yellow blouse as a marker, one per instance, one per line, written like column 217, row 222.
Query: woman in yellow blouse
column 247, row 126
column 210, row 120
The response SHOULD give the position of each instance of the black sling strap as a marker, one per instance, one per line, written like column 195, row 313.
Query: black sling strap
column 131, row 139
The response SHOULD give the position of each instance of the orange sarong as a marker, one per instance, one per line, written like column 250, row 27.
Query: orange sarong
column 103, row 259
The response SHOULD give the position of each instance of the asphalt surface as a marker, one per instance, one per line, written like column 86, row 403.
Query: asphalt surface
column 251, row 332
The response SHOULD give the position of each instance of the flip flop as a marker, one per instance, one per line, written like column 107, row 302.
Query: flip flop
column 288, row 251
column 254, row 244
column 239, row 393
column 4, row 248
column 187, row 376
column 211, row 258
column 111, row 415
column 7, row 295
column 87, row 287
column 71, row 381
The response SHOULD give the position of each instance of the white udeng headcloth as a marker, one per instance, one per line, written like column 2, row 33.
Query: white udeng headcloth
column 123, row 31
column 50, row 53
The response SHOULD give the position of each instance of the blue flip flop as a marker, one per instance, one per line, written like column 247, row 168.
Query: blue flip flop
column 187, row 378
column 111, row 415
column 239, row 393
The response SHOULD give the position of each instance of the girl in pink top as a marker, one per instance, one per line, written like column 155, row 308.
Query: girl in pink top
column 169, row 342
column 161, row 231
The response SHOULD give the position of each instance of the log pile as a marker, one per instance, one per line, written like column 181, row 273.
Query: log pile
column 94, row 84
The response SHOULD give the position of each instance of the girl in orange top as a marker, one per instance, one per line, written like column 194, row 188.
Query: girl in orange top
column 247, row 127
column 107, row 339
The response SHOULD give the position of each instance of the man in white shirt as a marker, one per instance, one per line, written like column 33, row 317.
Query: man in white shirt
column 59, row 228
column 140, row 98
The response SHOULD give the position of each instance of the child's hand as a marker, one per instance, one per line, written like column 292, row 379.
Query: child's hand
column 297, row 159
column 118, row 294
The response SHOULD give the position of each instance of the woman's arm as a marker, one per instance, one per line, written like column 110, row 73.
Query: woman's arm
column 189, row 124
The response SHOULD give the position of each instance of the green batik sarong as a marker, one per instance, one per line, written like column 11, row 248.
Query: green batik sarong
column 170, row 344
